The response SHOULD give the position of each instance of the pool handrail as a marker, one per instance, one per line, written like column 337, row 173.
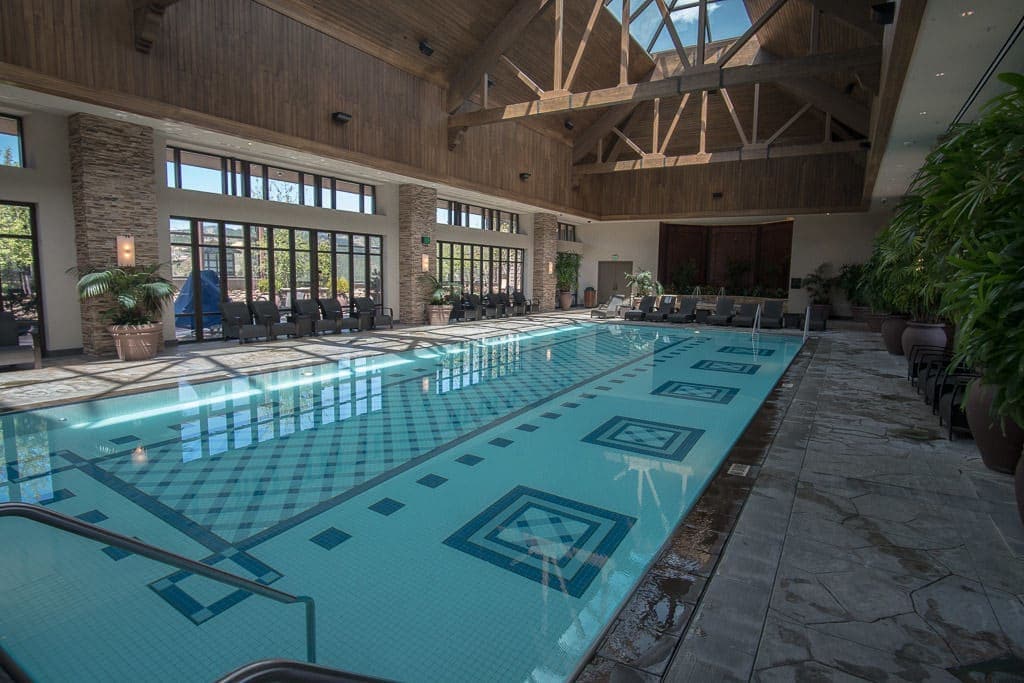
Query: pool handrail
column 78, row 527
column 275, row 670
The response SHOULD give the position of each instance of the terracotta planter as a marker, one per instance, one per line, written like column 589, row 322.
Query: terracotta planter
column 565, row 300
column 137, row 342
column 923, row 334
column 875, row 320
column 999, row 441
column 438, row 315
column 860, row 313
column 1018, row 487
column 892, row 334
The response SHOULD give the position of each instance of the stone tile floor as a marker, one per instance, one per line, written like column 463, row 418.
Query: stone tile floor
column 869, row 547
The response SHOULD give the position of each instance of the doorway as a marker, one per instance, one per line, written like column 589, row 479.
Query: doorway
column 19, row 269
column 611, row 279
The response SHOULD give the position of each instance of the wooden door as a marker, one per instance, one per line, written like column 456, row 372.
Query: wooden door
column 611, row 279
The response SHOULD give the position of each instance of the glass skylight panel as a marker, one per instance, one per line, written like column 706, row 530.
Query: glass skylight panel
column 726, row 19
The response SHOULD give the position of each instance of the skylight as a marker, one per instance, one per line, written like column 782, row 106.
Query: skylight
column 726, row 19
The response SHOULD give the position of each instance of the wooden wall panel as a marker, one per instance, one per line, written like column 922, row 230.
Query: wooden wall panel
column 774, row 255
column 678, row 244
column 731, row 244
column 765, row 247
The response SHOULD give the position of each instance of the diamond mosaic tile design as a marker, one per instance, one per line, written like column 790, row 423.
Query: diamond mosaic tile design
column 387, row 506
column 691, row 391
column 92, row 517
column 633, row 435
column 469, row 459
column 746, row 351
column 555, row 541
column 432, row 480
column 330, row 538
column 500, row 442
column 726, row 366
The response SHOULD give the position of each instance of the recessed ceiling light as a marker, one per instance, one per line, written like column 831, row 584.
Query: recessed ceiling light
column 922, row 113
column 940, row 74
column 967, row 13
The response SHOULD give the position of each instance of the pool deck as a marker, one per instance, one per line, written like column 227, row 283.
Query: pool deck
column 859, row 543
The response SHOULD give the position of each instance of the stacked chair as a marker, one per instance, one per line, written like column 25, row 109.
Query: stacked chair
column 942, row 383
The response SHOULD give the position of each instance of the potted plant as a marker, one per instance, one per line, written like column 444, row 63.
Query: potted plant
column 819, row 289
column 567, row 272
column 437, row 300
column 642, row 283
column 850, row 280
column 139, row 295
column 871, row 290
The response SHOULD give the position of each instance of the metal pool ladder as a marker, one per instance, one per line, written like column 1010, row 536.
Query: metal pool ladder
column 58, row 520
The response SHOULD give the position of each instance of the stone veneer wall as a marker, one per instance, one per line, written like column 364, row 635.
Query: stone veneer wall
column 113, row 192
column 545, row 249
column 417, row 214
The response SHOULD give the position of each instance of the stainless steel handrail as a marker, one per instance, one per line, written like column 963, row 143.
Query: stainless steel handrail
column 73, row 525
column 276, row 670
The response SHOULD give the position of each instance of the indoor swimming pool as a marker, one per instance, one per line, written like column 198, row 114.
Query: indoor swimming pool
column 477, row 511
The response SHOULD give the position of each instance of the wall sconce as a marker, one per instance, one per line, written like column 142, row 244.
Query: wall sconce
column 551, row 268
column 341, row 117
column 425, row 263
column 524, row 176
column 125, row 251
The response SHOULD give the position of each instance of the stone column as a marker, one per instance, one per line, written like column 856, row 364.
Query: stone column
column 113, row 192
column 417, row 214
column 545, row 249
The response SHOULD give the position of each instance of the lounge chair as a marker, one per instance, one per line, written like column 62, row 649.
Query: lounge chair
column 268, row 315
column 609, row 309
column 666, row 307
column 367, row 310
column 645, row 307
column 11, row 350
column 687, row 311
column 236, row 322
column 745, row 318
column 819, row 317
column 723, row 311
column 332, row 310
column 520, row 304
column 306, row 316
column 461, row 309
column 505, row 301
column 493, row 307
column 477, row 307
column 771, row 314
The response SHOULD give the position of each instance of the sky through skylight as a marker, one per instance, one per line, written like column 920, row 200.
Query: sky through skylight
column 726, row 19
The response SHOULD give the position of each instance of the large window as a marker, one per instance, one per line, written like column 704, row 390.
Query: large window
column 215, row 261
column 469, row 216
column 188, row 170
column 19, row 272
column 478, row 269
column 567, row 232
column 11, row 152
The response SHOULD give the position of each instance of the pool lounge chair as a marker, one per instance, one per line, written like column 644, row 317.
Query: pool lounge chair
column 723, row 311
column 494, row 307
column 520, row 304
column 332, row 310
column 666, row 307
column 268, row 315
column 306, row 317
column 745, row 318
column 645, row 307
column 687, row 312
column 477, row 307
column 236, row 322
column 375, row 315
column 771, row 314
column 11, row 350
column 462, row 309
column 609, row 309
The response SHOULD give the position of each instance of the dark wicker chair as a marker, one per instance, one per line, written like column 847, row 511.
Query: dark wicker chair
column 236, row 322
column 268, row 315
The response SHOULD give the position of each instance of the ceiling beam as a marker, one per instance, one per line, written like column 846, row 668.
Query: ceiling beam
column 497, row 43
column 746, row 153
column 146, row 18
column 853, row 13
column 749, row 33
column 691, row 81
column 842, row 107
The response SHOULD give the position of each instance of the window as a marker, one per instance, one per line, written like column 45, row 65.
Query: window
column 222, row 261
column 477, row 217
column 19, row 273
column 566, row 232
column 188, row 170
column 11, row 152
column 479, row 269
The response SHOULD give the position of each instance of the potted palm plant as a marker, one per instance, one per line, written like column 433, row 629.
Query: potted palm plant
column 567, row 272
column 139, row 295
column 643, row 283
column 850, row 280
column 437, row 299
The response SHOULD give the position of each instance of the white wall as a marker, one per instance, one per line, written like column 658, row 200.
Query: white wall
column 635, row 241
column 46, row 182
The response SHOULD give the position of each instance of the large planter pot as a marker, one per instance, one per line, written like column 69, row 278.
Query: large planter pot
column 1018, row 487
column 821, row 311
column 137, row 342
column 999, row 441
column 860, row 313
column 565, row 300
column 438, row 315
column 892, row 334
column 923, row 334
column 875, row 320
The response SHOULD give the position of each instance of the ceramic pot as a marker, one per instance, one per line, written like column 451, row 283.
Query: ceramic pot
column 923, row 334
column 860, row 313
column 1018, row 487
column 892, row 334
column 137, row 342
column 565, row 300
column 821, row 311
column 438, row 315
column 875, row 321
column 999, row 441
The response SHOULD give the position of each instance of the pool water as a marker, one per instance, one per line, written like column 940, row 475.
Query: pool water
column 471, row 512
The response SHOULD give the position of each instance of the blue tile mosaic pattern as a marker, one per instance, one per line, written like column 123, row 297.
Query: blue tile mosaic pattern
column 557, row 542
column 645, row 437
column 469, row 459
column 431, row 481
column 726, row 366
column 746, row 351
column 387, row 506
column 692, row 391
column 330, row 538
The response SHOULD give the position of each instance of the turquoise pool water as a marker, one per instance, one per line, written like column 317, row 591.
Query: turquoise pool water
column 464, row 513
